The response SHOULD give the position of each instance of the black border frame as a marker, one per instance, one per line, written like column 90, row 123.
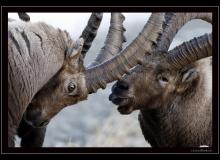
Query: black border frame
column 4, row 21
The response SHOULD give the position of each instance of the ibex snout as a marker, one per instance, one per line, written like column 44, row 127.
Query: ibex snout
column 120, row 96
column 33, row 117
column 122, row 85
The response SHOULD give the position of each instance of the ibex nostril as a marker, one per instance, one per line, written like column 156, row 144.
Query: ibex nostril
column 122, row 85
column 33, row 115
column 115, row 99
column 110, row 97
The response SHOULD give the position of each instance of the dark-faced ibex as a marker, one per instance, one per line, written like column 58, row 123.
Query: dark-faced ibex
column 172, row 90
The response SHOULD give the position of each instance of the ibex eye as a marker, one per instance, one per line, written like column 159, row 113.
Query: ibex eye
column 163, row 81
column 71, row 87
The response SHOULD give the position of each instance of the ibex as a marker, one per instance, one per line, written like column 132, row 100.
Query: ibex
column 172, row 90
column 32, row 135
column 46, row 71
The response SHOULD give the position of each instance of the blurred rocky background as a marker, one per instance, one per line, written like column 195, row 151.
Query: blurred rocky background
column 96, row 121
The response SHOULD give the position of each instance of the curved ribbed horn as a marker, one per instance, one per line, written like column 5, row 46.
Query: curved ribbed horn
column 109, row 71
column 90, row 31
column 114, row 40
column 191, row 51
column 174, row 22
column 24, row 16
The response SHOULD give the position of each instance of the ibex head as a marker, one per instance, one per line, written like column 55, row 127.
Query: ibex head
column 67, row 87
column 164, row 74
column 73, row 82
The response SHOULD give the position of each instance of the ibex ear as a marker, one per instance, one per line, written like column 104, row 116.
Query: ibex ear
column 73, row 55
column 75, row 49
column 189, row 75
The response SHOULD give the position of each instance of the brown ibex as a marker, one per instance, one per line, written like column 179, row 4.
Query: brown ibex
column 172, row 90
column 46, row 69
column 32, row 135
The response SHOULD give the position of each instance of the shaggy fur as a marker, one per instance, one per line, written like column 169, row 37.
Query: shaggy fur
column 175, row 105
column 35, row 53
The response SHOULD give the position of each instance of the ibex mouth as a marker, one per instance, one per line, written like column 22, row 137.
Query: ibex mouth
column 124, row 103
column 125, row 109
column 34, row 121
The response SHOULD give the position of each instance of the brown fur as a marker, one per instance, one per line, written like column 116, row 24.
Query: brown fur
column 173, row 114
column 56, row 73
column 36, row 53
column 54, row 96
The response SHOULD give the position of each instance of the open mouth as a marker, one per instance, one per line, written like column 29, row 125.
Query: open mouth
column 37, row 125
column 124, row 103
column 125, row 109
column 43, row 123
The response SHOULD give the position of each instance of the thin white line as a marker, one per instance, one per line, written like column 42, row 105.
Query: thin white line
column 116, row 6
column 218, row 80
column 1, row 80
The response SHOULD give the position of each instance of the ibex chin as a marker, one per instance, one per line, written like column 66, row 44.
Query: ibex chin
column 172, row 90
column 46, row 71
